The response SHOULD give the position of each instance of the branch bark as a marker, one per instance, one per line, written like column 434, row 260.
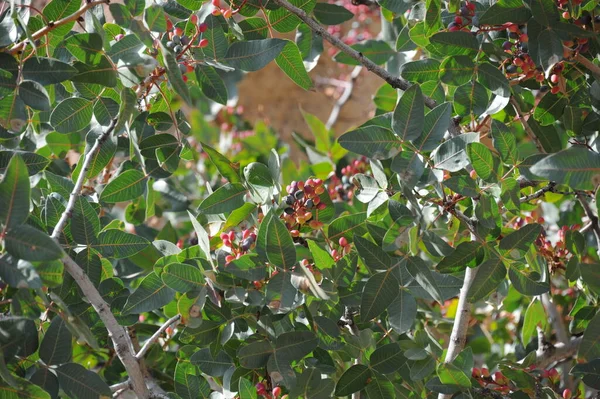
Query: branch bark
column 117, row 333
column 55, row 24
column 156, row 336
column 548, row 355
column 594, row 224
column 526, row 126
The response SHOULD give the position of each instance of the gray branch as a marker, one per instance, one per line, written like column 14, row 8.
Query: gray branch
column 117, row 333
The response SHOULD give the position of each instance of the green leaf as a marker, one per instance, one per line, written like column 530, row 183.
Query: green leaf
column 319, row 130
column 290, row 62
column 452, row 375
column 452, row 40
column 520, row 240
column 59, row 9
column 372, row 255
column 484, row 162
column 103, row 73
column 211, row 83
column 377, row 51
column 155, row 19
column 457, row 70
column 72, row 115
column 451, row 155
column 576, row 167
column 25, row 390
column 407, row 120
column 465, row 255
column 182, row 277
column 253, row 55
column 379, row 292
column 80, row 383
column 246, row 389
column 151, row 294
column 589, row 349
column 421, row 71
column 380, row 388
column 217, row 42
column 89, row 260
column 175, row 77
column 225, row 199
column 117, row 244
column 526, row 281
column 347, row 226
column 284, row 21
column 550, row 108
column 353, row 380
column 228, row 169
column 310, row 45
column 505, row 143
column 255, row 355
column 503, row 11
column 294, row 345
column 34, row 95
column 28, row 243
column 15, row 193
column 493, row 79
column 489, row 275
column 280, row 249
column 402, row 312
column 535, row 316
column 127, row 186
column 86, row 47
column 589, row 373
column 387, row 359
column 371, row 141
column 423, row 275
column 470, row 98
column 56, row 347
column 331, row 14
column 214, row 366
column 435, row 126
column 85, row 224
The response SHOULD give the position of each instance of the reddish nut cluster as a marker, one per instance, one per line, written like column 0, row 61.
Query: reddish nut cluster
column 344, row 249
column 556, row 255
column 225, row 11
column 340, row 188
column 261, row 390
column 552, row 375
column 463, row 17
column 300, row 203
column 238, row 245
column 498, row 382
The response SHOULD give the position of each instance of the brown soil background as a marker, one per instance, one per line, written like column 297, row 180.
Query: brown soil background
column 271, row 96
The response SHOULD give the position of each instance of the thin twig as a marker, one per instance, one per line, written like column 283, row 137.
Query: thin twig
column 595, row 226
column 335, row 112
column 87, row 161
column 117, row 333
column 53, row 25
column 539, row 193
column 526, row 126
column 593, row 68
column 156, row 336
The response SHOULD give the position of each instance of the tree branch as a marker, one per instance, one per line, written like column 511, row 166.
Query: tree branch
column 156, row 336
column 594, row 225
column 117, row 333
column 55, row 24
column 589, row 65
column 526, row 126
column 547, row 355
column 539, row 193
column 335, row 112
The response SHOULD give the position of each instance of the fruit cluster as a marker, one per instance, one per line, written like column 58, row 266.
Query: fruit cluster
column 463, row 17
column 344, row 249
column 238, row 245
column 498, row 382
column 340, row 188
column 300, row 203
column 225, row 11
column 261, row 390
column 556, row 255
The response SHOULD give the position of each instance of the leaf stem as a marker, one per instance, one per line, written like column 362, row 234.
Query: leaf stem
column 156, row 336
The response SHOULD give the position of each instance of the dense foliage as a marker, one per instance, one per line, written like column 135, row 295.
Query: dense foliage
column 156, row 244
